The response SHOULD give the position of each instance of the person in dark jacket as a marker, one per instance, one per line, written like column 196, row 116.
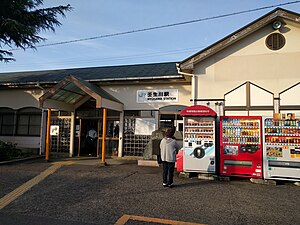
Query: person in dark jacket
column 168, row 150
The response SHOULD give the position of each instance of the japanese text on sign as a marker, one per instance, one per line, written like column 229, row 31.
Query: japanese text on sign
column 167, row 95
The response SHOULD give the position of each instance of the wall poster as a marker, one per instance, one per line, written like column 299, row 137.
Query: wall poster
column 144, row 126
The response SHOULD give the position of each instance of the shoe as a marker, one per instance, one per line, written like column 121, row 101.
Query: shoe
column 165, row 185
column 170, row 185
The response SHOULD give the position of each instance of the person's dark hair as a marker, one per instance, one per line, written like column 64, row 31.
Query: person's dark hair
column 169, row 133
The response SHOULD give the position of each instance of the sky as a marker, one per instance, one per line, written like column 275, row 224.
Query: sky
column 96, row 18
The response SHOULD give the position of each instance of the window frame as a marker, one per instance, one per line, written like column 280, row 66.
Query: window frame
column 5, row 111
column 29, row 125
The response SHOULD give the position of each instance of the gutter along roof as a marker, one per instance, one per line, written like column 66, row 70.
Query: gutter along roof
column 187, row 65
column 93, row 74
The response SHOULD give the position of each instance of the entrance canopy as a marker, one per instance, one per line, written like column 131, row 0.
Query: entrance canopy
column 72, row 92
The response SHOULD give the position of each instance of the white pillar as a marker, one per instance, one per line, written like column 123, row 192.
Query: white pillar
column 43, row 132
column 193, row 89
column 156, row 116
column 121, row 127
column 72, row 134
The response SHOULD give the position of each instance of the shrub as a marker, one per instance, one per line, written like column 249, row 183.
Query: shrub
column 9, row 151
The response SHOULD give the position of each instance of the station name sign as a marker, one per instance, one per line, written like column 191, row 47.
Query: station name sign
column 162, row 95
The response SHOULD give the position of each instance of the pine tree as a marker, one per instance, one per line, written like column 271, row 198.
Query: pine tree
column 21, row 21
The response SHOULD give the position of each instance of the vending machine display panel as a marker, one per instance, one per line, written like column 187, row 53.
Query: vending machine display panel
column 240, row 146
column 199, row 144
column 281, row 153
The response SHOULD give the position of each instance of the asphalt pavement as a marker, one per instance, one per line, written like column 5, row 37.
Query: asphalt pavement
column 83, row 193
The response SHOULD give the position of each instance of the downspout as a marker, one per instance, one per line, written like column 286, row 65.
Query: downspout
column 193, row 82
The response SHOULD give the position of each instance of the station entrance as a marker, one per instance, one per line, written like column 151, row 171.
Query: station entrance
column 89, row 131
column 169, row 116
column 94, row 119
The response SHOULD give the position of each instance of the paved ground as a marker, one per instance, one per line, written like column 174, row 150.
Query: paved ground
column 84, row 193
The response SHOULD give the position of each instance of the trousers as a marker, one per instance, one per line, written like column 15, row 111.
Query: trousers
column 168, row 172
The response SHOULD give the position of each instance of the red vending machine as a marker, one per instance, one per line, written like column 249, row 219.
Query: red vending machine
column 241, row 146
column 199, row 139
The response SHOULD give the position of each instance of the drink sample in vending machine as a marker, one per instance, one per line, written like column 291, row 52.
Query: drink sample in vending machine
column 240, row 131
column 241, row 146
column 282, row 141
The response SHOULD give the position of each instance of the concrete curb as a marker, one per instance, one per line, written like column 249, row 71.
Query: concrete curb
column 262, row 181
column 21, row 160
column 94, row 161
column 148, row 163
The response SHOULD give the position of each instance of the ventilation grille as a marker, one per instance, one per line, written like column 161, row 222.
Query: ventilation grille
column 275, row 41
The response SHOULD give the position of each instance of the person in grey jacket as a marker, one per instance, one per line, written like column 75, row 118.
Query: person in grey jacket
column 168, row 150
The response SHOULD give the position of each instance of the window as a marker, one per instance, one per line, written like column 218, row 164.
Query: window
column 29, row 122
column 132, row 113
column 7, row 121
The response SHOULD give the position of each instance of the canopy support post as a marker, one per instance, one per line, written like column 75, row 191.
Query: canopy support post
column 48, row 135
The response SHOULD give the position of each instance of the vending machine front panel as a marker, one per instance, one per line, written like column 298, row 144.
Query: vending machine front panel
column 240, row 146
column 281, row 153
column 199, row 144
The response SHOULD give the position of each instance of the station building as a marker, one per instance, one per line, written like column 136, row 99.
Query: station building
column 135, row 99
column 253, row 71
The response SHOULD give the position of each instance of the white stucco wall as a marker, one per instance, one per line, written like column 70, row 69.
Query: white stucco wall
column 250, row 60
column 17, row 99
column 289, row 96
column 23, row 142
column 128, row 95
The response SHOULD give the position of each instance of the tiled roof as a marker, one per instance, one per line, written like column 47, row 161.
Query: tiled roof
column 107, row 73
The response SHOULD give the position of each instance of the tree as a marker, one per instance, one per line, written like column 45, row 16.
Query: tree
column 21, row 21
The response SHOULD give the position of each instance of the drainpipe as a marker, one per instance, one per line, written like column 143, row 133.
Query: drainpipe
column 193, row 82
